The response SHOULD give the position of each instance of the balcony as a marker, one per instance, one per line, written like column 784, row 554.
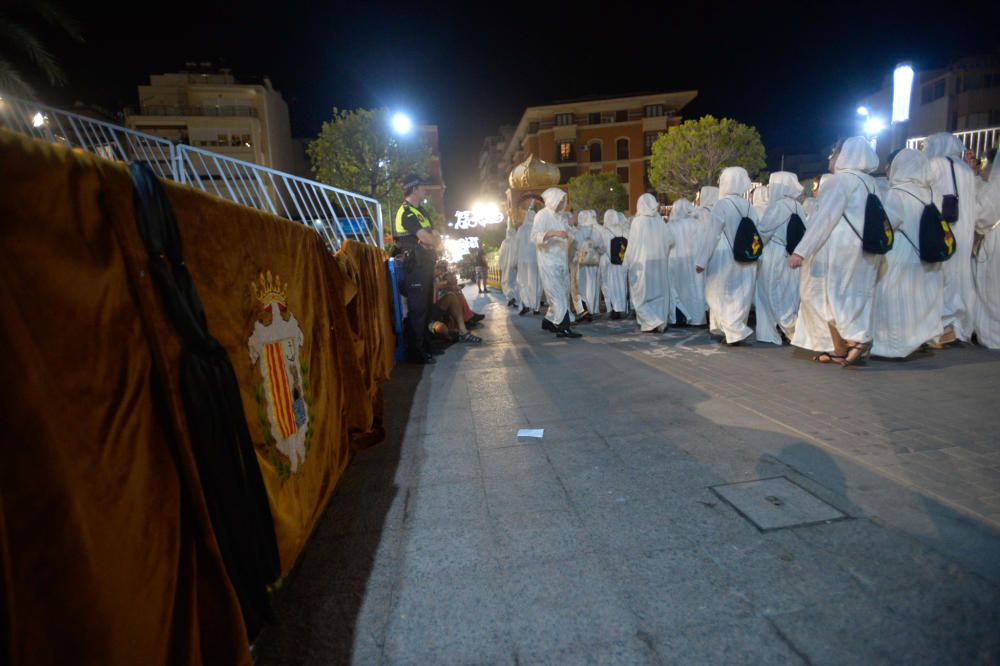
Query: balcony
column 217, row 111
column 978, row 141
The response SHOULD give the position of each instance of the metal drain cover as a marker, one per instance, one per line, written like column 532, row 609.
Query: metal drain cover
column 777, row 503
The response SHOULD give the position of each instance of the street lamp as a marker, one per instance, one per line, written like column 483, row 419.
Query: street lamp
column 863, row 111
column 38, row 120
column 401, row 123
column 902, row 87
column 874, row 125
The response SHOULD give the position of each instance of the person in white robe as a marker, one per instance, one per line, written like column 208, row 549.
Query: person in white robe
column 552, row 236
column 906, row 311
column 529, row 287
column 708, row 196
column 986, row 264
column 848, row 282
column 776, row 294
column 760, row 197
column 614, row 277
column 587, row 259
column 687, row 287
column 945, row 152
column 508, row 267
column 728, row 283
column 811, row 329
column 646, row 263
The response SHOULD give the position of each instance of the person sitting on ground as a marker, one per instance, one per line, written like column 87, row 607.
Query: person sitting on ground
column 447, row 307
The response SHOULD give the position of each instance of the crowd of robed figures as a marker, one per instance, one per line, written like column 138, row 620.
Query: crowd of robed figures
column 811, row 268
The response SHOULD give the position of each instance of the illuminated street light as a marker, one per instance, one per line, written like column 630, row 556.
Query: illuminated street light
column 902, row 86
column 874, row 125
column 401, row 123
column 38, row 120
column 862, row 110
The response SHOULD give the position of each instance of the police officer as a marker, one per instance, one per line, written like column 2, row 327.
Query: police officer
column 417, row 241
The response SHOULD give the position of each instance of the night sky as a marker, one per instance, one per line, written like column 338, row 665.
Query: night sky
column 794, row 71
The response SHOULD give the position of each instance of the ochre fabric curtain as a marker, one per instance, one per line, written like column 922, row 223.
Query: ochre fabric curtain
column 107, row 554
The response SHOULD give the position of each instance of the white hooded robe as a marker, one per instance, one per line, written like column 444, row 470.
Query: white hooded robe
column 646, row 262
column 986, row 264
column 728, row 283
column 553, row 256
column 614, row 277
column 906, row 311
column 589, row 249
column 687, row 286
column 529, row 287
column 959, row 288
column 776, row 294
column 840, row 292
column 508, row 265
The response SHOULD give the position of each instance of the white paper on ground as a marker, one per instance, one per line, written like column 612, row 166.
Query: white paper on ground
column 527, row 432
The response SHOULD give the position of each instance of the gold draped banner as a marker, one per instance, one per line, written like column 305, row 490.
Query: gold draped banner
column 107, row 554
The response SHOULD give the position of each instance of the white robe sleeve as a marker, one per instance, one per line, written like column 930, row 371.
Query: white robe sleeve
column 774, row 216
column 989, row 205
column 829, row 209
column 710, row 238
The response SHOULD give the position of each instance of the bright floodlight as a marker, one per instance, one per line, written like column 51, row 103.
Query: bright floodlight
column 873, row 126
column 38, row 120
column 902, row 86
column 401, row 123
column 862, row 110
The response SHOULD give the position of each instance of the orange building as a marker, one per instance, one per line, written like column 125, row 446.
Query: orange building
column 589, row 136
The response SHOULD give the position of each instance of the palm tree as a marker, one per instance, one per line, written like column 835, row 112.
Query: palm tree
column 19, row 41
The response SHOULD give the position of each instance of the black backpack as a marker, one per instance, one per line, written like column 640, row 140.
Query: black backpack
column 618, row 246
column 949, row 202
column 936, row 241
column 794, row 232
column 877, row 236
column 746, row 244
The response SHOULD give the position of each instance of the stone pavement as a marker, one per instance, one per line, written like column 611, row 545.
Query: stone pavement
column 608, row 541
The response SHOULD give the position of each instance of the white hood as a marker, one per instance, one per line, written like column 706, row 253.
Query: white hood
column 587, row 218
column 944, row 144
column 734, row 180
column 708, row 196
column 614, row 223
column 761, row 196
column 784, row 184
column 647, row 206
column 856, row 155
column 681, row 209
column 910, row 170
column 552, row 198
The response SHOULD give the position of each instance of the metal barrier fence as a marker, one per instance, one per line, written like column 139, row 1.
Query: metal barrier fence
column 978, row 141
column 336, row 214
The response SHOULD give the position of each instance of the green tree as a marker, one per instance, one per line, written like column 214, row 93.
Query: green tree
column 20, row 42
column 597, row 191
column 358, row 151
column 693, row 154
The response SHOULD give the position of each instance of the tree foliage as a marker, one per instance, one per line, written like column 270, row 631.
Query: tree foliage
column 598, row 192
column 21, row 43
column 358, row 151
column 694, row 153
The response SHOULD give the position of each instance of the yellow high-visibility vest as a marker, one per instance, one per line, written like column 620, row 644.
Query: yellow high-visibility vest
column 424, row 222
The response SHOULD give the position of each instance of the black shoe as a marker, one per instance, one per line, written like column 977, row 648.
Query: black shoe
column 512, row 303
column 549, row 326
column 423, row 359
column 477, row 318
column 587, row 318
column 568, row 333
column 525, row 310
column 614, row 316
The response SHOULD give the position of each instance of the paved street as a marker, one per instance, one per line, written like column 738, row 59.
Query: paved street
column 614, row 539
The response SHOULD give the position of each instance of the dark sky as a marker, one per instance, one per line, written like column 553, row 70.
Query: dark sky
column 795, row 71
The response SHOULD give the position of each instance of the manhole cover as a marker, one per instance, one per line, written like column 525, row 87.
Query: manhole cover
column 777, row 503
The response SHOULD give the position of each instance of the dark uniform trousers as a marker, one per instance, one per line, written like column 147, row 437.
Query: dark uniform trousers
column 419, row 267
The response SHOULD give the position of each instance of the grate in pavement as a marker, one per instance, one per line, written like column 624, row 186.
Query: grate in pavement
column 777, row 503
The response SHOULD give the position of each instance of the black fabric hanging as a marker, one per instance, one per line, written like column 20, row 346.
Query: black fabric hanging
column 227, row 464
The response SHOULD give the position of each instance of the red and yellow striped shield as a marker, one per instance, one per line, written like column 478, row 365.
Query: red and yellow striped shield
column 280, row 393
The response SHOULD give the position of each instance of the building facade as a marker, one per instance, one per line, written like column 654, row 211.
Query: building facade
column 435, row 189
column 591, row 136
column 963, row 97
column 493, row 168
column 210, row 109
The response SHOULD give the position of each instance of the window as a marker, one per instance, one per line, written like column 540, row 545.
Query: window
column 564, row 119
column 623, row 174
column 621, row 116
column 566, row 153
column 651, row 138
column 595, row 151
column 608, row 118
column 532, row 128
column 594, row 119
column 565, row 173
column 621, row 148
column 931, row 92
column 654, row 110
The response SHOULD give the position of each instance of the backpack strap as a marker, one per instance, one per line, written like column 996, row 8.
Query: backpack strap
column 954, row 182
column 844, row 214
column 741, row 217
column 900, row 189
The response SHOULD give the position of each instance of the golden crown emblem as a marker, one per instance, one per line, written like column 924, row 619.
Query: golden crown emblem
column 269, row 289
